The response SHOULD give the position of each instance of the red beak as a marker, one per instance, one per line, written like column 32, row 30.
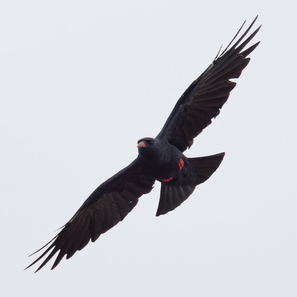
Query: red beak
column 141, row 144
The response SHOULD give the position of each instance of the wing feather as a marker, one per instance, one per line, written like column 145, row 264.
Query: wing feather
column 106, row 206
column 204, row 98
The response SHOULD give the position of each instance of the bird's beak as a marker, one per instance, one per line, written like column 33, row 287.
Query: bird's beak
column 141, row 144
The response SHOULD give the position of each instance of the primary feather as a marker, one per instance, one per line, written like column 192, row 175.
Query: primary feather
column 204, row 98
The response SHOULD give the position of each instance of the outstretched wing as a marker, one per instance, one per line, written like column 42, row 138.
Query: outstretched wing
column 105, row 207
column 205, row 97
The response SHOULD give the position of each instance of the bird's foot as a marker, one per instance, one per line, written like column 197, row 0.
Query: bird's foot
column 180, row 164
column 166, row 180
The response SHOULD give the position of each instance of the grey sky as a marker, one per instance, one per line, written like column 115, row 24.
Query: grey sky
column 81, row 82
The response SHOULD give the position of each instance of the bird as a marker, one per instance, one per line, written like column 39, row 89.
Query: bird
column 160, row 158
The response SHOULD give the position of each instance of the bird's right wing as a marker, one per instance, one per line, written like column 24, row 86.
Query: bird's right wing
column 204, row 98
column 105, row 207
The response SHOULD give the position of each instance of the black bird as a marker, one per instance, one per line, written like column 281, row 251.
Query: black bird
column 160, row 158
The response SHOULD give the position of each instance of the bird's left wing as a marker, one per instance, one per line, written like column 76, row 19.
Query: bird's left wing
column 104, row 208
column 204, row 98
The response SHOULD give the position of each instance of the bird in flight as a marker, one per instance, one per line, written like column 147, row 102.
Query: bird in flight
column 159, row 158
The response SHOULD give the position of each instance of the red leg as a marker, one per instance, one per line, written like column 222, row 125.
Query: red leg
column 180, row 164
column 166, row 180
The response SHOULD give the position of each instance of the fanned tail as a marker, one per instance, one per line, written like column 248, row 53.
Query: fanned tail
column 174, row 195
column 206, row 166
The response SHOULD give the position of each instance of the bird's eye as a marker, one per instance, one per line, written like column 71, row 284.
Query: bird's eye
column 151, row 142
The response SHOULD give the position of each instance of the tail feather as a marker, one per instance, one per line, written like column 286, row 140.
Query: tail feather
column 206, row 166
column 174, row 195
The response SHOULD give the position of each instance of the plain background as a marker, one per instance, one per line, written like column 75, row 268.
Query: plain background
column 81, row 82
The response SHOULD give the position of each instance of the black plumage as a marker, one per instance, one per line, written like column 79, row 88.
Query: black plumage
column 159, row 159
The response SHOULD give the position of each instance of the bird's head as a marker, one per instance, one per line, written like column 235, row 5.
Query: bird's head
column 148, row 147
column 145, row 143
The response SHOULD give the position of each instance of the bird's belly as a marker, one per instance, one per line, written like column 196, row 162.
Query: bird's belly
column 164, row 171
column 167, row 172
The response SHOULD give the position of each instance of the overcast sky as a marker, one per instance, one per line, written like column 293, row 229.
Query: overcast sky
column 81, row 82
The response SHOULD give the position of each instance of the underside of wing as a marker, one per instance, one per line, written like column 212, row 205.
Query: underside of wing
column 106, row 206
column 204, row 98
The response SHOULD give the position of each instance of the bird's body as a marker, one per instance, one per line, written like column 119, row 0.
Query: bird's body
column 159, row 158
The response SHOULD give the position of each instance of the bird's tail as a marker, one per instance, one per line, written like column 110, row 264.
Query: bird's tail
column 173, row 195
column 206, row 166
